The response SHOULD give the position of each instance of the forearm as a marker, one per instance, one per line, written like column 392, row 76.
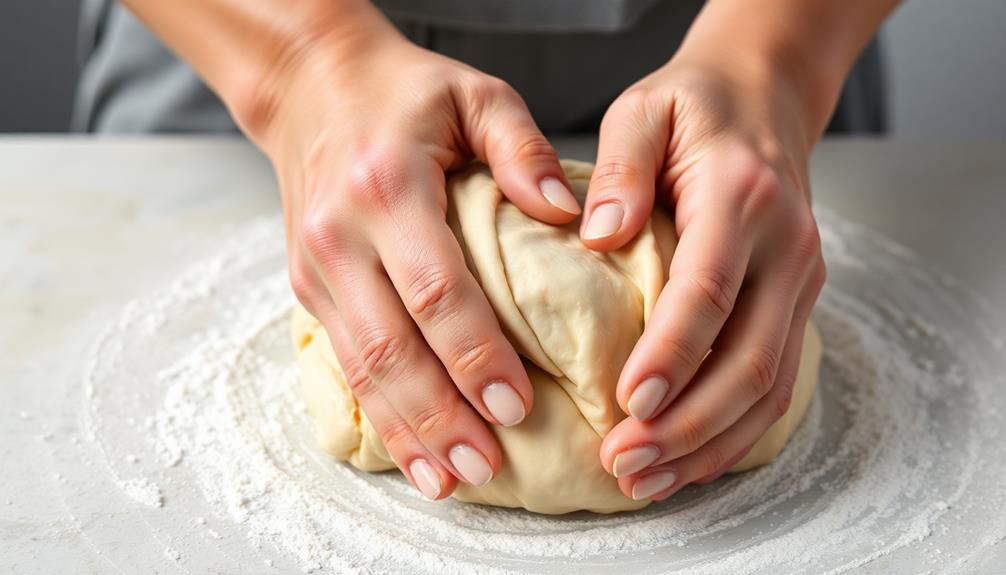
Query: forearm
column 808, row 44
column 243, row 48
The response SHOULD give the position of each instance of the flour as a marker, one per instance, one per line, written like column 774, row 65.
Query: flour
column 172, row 554
column 142, row 491
column 890, row 459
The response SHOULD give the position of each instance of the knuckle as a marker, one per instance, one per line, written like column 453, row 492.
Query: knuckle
column 433, row 418
column 753, row 184
column 713, row 288
column 634, row 100
column 760, row 370
column 532, row 148
column 819, row 276
column 380, row 352
column 483, row 89
column 692, row 432
column 472, row 358
column 805, row 305
column 396, row 435
column 431, row 290
column 374, row 184
column 807, row 238
column 614, row 172
column 319, row 232
column 765, row 189
column 783, row 398
column 358, row 380
column 712, row 459
column 303, row 283
column 327, row 244
column 496, row 87
column 681, row 350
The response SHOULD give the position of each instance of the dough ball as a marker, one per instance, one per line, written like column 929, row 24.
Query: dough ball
column 573, row 315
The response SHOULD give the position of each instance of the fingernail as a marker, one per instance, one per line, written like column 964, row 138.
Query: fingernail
column 472, row 466
column 647, row 396
column 503, row 402
column 426, row 478
column 652, row 484
column 559, row 195
column 605, row 220
column 633, row 460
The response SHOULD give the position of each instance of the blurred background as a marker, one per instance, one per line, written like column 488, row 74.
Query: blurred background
column 945, row 65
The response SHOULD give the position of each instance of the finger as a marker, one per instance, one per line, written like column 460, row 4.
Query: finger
column 714, row 457
column 704, row 279
column 425, row 263
column 708, row 478
column 789, row 367
column 719, row 224
column 633, row 142
column 394, row 355
column 739, row 371
column 418, row 465
column 500, row 131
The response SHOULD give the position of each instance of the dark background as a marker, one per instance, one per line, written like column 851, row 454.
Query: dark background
column 38, row 64
column 946, row 66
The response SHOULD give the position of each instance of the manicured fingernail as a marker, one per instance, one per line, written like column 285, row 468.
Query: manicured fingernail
column 559, row 195
column 472, row 466
column 647, row 396
column 426, row 478
column 652, row 484
column 633, row 460
column 605, row 220
column 503, row 402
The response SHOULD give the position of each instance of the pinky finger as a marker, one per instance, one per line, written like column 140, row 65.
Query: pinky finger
column 710, row 460
column 726, row 467
column 418, row 465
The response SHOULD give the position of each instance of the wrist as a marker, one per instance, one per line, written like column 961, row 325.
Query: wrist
column 249, row 51
column 797, row 46
column 294, row 54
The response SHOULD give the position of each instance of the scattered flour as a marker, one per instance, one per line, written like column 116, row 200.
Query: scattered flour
column 892, row 457
column 142, row 490
column 172, row 554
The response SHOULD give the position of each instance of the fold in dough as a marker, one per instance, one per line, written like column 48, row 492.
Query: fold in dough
column 573, row 315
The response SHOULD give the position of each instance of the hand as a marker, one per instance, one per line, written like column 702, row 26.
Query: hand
column 361, row 126
column 727, row 149
column 361, row 135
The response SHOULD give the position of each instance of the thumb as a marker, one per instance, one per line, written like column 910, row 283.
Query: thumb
column 631, row 148
column 500, row 131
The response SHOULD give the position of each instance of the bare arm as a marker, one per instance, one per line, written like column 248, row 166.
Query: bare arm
column 810, row 44
column 248, row 51
column 361, row 127
column 722, row 133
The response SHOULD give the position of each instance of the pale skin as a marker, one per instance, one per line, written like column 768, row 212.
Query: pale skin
column 361, row 127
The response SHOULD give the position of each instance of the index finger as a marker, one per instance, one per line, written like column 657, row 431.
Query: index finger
column 704, row 279
column 427, row 267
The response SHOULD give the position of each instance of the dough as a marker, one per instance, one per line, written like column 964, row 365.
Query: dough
column 573, row 315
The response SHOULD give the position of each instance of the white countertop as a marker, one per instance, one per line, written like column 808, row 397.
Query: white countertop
column 86, row 224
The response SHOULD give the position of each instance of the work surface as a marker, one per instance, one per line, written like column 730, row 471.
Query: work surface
column 88, row 224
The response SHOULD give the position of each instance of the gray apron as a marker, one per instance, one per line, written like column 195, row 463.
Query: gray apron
column 568, row 59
